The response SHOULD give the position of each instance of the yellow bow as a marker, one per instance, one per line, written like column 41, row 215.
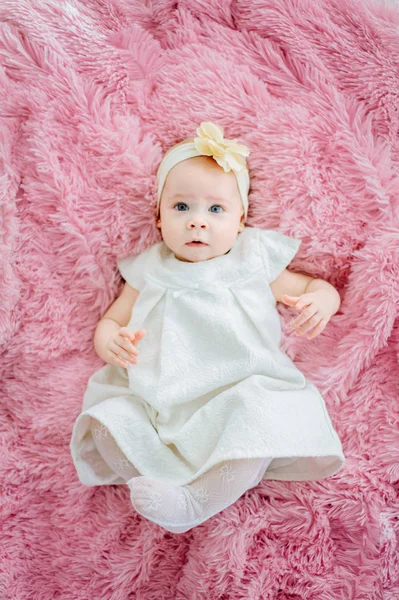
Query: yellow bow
column 228, row 153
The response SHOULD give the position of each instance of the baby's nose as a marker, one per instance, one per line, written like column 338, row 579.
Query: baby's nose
column 198, row 222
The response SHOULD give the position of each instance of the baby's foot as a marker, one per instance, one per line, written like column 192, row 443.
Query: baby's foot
column 180, row 508
column 176, row 508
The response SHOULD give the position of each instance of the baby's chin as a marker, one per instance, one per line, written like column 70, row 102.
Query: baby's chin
column 192, row 259
column 198, row 256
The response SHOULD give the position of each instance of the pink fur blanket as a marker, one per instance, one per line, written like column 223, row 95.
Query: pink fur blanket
column 92, row 93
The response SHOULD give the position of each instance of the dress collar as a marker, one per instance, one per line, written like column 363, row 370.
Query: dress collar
column 240, row 259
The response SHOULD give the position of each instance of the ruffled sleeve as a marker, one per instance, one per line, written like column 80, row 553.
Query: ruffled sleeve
column 132, row 268
column 277, row 251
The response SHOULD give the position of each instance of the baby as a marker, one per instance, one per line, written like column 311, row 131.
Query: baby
column 213, row 405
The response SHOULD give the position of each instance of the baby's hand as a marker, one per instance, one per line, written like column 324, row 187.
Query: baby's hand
column 315, row 312
column 120, row 346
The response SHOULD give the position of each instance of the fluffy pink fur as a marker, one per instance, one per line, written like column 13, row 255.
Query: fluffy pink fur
column 92, row 93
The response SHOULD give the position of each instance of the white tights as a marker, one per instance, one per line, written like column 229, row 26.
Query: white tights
column 180, row 508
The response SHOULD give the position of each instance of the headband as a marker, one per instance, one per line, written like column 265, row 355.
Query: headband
column 210, row 142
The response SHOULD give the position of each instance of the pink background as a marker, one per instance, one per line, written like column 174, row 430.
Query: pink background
column 91, row 95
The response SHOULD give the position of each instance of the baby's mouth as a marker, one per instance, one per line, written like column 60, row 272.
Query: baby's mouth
column 196, row 243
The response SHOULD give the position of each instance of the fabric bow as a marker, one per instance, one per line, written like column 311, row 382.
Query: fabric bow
column 229, row 154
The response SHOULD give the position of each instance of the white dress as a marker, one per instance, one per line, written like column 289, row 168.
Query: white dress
column 211, row 383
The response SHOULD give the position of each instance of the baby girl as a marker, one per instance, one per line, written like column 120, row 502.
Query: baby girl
column 197, row 402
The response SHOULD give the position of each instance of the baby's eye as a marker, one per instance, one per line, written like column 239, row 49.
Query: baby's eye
column 183, row 204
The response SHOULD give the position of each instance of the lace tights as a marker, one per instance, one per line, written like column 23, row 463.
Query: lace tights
column 180, row 508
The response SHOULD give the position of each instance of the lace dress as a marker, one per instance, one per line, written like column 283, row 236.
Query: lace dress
column 211, row 383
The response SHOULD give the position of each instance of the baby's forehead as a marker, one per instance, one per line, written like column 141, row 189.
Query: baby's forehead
column 199, row 166
column 200, row 177
column 201, row 188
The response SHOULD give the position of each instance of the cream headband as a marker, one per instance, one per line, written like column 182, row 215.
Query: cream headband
column 210, row 142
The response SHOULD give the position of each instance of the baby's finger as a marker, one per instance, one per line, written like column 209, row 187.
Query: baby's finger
column 140, row 334
column 130, row 348
column 122, row 353
column 125, row 332
column 303, row 317
column 317, row 330
column 312, row 322
column 119, row 361
column 305, row 300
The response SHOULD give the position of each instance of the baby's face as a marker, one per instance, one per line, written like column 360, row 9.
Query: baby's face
column 200, row 201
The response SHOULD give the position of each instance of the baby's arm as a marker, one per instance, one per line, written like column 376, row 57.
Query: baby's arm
column 320, row 298
column 293, row 284
column 116, row 317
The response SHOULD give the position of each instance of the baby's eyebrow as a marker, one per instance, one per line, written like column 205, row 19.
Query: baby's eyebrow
column 212, row 198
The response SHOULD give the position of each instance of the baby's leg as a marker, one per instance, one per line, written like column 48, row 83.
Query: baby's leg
column 111, row 452
column 179, row 508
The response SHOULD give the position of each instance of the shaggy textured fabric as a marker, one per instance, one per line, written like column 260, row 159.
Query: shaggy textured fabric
column 92, row 93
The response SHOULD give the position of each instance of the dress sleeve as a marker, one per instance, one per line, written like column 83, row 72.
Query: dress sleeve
column 132, row 269
column 277, row 251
